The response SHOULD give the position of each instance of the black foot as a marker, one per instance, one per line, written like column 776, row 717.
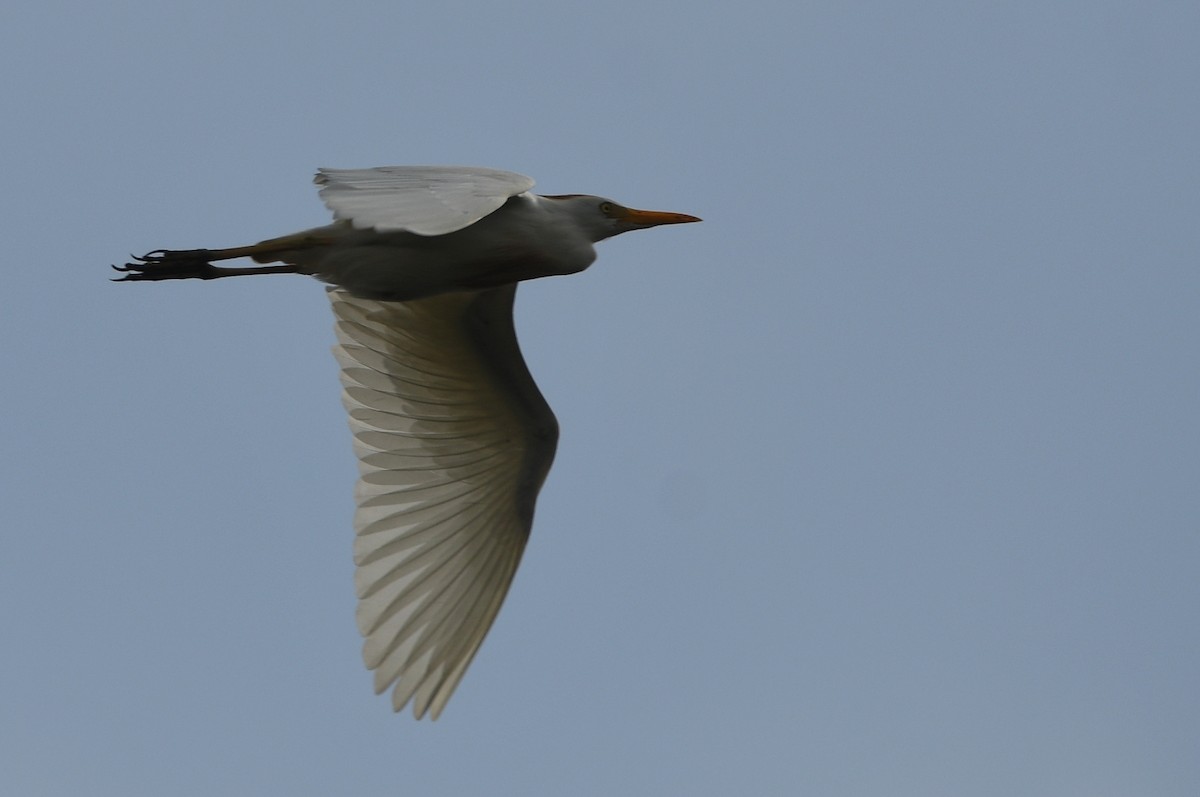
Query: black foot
column 169, row 264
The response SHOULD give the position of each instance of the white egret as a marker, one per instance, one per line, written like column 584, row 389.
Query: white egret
column 452, row 435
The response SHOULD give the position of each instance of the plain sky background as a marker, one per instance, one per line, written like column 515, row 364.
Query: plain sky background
column 884, row 480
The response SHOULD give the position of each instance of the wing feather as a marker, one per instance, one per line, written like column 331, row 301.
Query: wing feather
column 453, row 441
column 426, row 200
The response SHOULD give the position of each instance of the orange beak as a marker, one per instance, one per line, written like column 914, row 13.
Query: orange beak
column 653, row 218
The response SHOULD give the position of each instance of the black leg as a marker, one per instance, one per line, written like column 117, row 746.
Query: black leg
column 163, row 264
column 179, row 264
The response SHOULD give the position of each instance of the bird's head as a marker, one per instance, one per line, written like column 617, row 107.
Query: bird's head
column 601, row 218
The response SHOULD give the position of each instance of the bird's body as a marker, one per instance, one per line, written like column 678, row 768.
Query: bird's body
column 528, row 237
column 452, row 435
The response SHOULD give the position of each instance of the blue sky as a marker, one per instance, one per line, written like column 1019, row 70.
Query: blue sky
column 883, row 480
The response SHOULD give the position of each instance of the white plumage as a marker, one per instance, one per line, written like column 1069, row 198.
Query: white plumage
column 452, row 436
column 426, row 200
column 450, row 460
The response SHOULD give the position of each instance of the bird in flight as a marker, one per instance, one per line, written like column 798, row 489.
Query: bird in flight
column 453, row 437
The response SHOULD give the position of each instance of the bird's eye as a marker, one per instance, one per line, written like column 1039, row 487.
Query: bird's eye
column 607, row 208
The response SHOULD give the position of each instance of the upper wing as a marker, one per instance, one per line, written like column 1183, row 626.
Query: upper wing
column 453, row 441
column 427, row 200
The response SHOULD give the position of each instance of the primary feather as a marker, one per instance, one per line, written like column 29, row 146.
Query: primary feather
column 452, row 451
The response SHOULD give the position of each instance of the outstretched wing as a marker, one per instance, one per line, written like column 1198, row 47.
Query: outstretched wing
column 454, row 441
column 427, row 200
